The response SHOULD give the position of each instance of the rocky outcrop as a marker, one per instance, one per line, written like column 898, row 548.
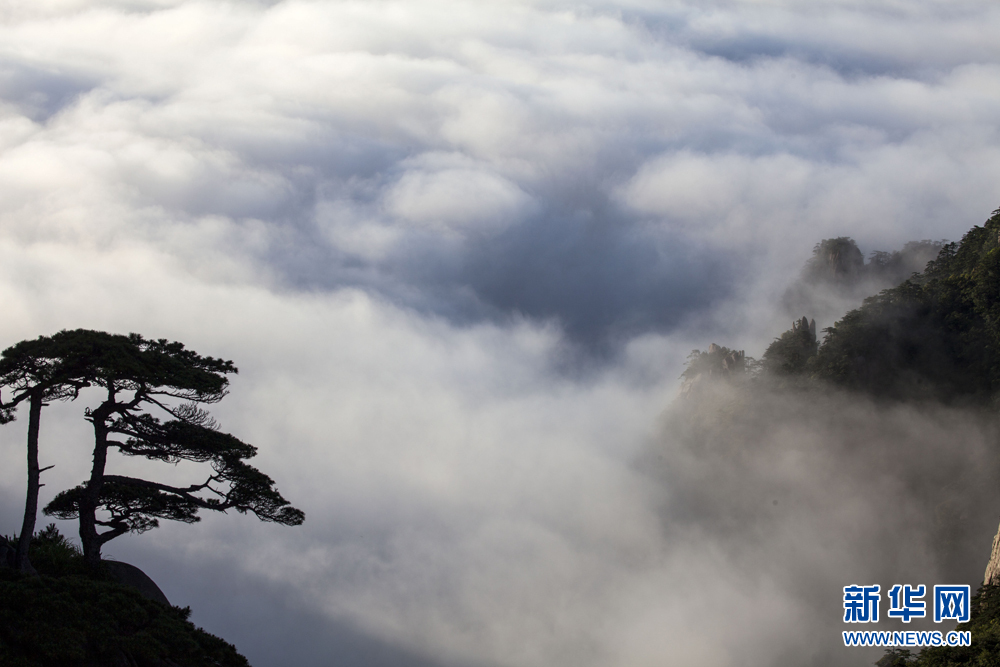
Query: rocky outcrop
column 122, row 573
column 835, row 261
column 130, row 575
column 717, row 363
column 993, row 567
column 731, row 363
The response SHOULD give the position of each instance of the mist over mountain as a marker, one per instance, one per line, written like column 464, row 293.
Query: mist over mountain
column 867, row 453
column 935, row 336
column 837, row 277
column 780, row 497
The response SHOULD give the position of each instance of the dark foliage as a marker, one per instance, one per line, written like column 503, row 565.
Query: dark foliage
column 789, row 354
column 36, row 371
column 55, row 556
column 984, row 624
column 44, row 363
column 717, row 361
column 131, row 508
column 895, row 657
column 151, row 367
column 897, row 266
column 935, row 336
column 134, row 505
column 71, row 616
column 836, row 278
column 137, row 375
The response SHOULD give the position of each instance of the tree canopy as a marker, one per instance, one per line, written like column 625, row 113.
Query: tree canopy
column 37, row 371
column 936, row 334
column 135, row 376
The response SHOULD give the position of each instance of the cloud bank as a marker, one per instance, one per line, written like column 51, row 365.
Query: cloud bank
column 459, row 253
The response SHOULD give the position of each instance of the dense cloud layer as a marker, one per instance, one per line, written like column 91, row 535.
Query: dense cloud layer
column 459, row 251
column 801, row 491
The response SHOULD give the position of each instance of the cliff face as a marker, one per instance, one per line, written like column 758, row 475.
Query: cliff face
column 992, row 577
column 835, row 261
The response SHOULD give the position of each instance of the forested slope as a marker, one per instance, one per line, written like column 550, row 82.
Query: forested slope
column 69, row 616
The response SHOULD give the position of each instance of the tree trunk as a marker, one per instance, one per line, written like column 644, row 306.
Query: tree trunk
column 31, row 500
column 91, row 496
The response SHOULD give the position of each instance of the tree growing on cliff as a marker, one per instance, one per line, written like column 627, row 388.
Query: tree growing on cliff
column 137, row 376
column 788, row 354
column 936, row 335
column 135, row 505
column 35, row 371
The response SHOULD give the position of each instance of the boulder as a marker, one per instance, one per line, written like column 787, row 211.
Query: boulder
column 130, row 575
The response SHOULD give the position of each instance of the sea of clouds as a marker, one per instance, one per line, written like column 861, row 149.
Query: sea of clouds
column 459, row 252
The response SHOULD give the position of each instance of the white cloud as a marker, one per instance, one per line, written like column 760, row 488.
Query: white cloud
column 455, row 197
column 393, row 215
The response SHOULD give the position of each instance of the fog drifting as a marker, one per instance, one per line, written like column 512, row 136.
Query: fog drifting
column 459, row 253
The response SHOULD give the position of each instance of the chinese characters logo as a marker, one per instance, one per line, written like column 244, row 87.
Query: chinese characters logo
column 861, row 604
column 951, row 603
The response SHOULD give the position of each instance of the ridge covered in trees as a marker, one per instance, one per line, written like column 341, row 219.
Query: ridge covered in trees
column 936, row 335
column 932, row 340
